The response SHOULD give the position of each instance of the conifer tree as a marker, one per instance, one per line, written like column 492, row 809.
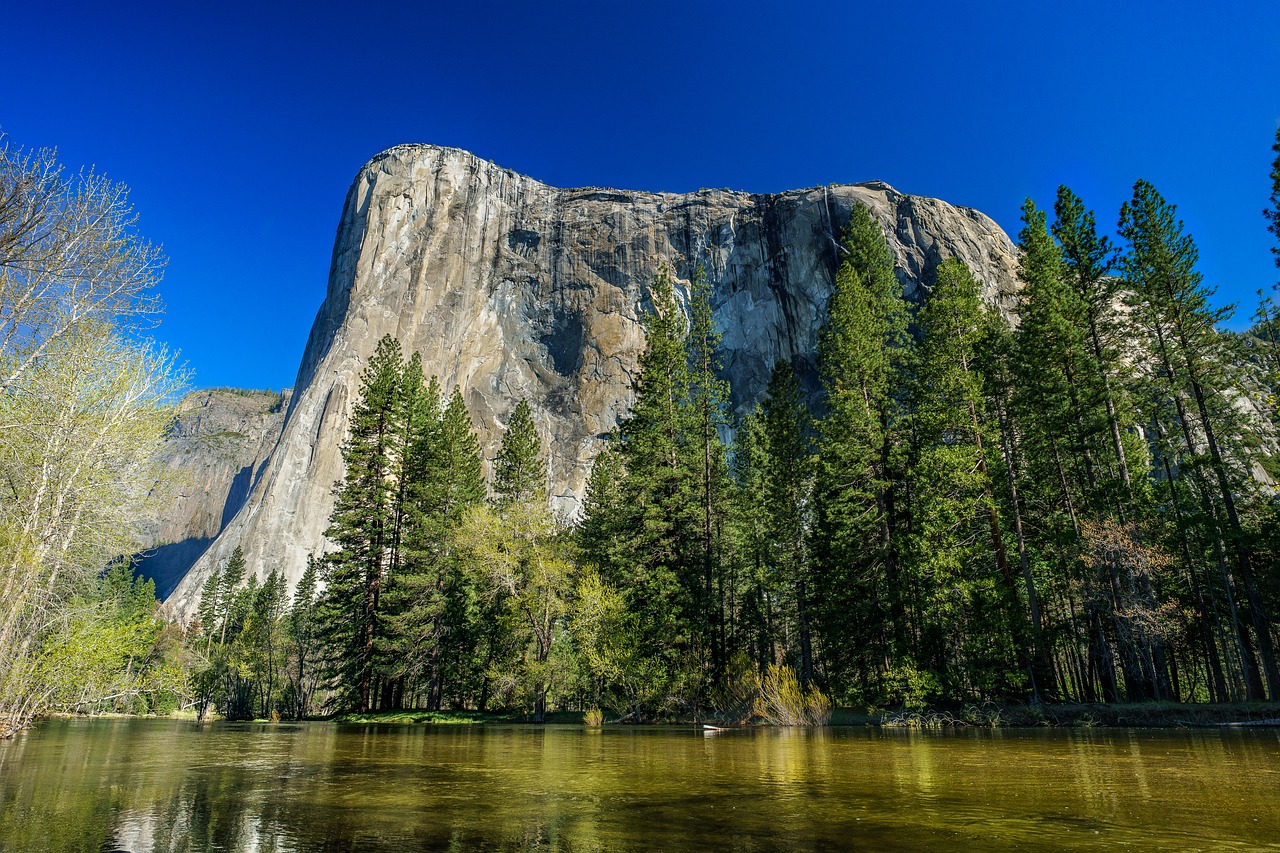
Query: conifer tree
column 773, row 465
column 209, row 607
column 656, row 558
column 519, row 472
column 758, row 618
column 1053, row 400
column 597, row 533
column 787, row 495
column 412, row 592
column 437, row 621
column 708, row 398
column 1087, row 262
column 971, row 626
column 301, row 677
column 1055, row 369
column 229, row 581
column 363, row 529
column 1172, row 304
column 863, row 358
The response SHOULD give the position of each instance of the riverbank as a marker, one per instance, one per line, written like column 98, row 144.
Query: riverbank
column 1141, row 715
column 1146, row 715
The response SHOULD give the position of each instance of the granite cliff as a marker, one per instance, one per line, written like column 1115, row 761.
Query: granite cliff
column 213, row 454
column 513, row 289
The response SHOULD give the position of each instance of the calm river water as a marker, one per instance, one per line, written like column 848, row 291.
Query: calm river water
column 153, row 785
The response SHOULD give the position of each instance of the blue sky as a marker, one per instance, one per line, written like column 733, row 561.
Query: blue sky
column 239, row 126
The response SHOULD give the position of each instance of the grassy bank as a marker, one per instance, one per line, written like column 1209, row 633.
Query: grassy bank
column 449, row 718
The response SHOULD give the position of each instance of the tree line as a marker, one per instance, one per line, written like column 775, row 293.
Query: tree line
column 1068, row 506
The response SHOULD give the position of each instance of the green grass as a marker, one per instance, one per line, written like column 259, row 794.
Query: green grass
column 451, row 718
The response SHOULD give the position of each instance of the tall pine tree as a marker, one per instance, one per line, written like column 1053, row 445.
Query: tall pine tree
column 1172, row 304
column 364, row 529
column 864, row 355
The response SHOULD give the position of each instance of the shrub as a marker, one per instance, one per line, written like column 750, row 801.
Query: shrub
column 784, row 702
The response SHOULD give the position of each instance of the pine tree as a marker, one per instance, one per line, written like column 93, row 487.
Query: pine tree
column 209, row 606
column 759, row 620
column 1054, row 405
column 656, row 557
column 863, row 357
column 363, row 527
column 971, row 625
column 1172, row 305
column 1087, row 262
column 519, row 471
column 998, row 348
column 1056, row 372
column 230, row 580
column 708, row 401
column 788, row 503
column 436, row 622
column 301, row 676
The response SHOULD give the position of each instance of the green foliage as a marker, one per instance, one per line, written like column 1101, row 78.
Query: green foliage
column 520, row 564
column 784, row 702
column 654, row 532
column 865, row 355
column 115, row 652
column 774, row 468
column 365, row 528
column 519, row 473
column 967, row 627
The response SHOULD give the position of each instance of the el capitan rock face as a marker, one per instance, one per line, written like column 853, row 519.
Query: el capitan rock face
column 513, row 289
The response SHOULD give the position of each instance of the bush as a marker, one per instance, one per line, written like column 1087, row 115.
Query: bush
column 784, row 702
column 593, row 717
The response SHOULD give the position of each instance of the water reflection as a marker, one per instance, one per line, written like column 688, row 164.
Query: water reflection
column 140, row 785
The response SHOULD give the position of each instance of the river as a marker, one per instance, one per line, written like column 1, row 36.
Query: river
column 156, row 785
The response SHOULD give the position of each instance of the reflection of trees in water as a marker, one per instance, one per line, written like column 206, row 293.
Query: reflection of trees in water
column 177, row 788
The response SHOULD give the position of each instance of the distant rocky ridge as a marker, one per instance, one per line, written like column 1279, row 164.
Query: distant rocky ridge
column 513, row 289
column 216, row 449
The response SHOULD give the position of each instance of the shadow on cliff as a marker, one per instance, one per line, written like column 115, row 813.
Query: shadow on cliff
column 168, row 564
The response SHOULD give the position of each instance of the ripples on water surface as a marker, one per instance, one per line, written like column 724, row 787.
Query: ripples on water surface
column 153, row 785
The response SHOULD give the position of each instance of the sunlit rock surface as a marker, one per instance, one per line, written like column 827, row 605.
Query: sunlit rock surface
column 513, row 289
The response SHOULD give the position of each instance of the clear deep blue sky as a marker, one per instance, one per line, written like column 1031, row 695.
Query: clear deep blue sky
column 240, row 126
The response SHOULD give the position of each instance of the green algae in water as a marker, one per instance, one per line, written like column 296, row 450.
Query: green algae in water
column 152, row 785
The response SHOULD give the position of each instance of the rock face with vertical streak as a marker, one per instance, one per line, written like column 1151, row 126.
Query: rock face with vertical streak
column 513, row 289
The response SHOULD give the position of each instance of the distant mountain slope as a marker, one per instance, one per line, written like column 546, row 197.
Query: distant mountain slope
column 216, row 449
